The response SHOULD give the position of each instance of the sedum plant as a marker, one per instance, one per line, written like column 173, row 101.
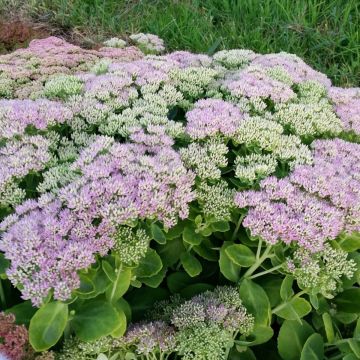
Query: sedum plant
column 178, row 206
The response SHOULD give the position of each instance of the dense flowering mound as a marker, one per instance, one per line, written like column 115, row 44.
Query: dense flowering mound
column 128, row 174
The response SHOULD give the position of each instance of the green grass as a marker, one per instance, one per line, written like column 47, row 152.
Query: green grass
column 325, row 33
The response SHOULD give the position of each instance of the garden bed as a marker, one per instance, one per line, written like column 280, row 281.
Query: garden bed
column 176, row 205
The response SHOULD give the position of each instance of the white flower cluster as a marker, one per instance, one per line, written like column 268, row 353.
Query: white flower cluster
column 193, row 81
column 62, row 86
column 321, row 272
column 312, row 91
column 148, row 43
column 308, row 120
column 216, row 201
column 56, row 177
column 131, row 244
column 234, row 59
column 11, row 194
column 206, row 159
column 253, row 167
column 115, row 43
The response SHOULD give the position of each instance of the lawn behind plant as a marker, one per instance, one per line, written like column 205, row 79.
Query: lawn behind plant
column 324, row 33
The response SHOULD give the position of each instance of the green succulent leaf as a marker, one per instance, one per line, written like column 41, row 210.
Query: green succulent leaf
column 109, row 270
column 150, row 265
column 292, row 337
column 294, row 309
column 47, row 325
column 190, row 264
column 121, row 328
column 94, row 319
column 348, row 301
column 178, row 281
column 313, row 348
column 240, row 255
column 171, row 251
column 157, row 234
column 286, row 290
column 155, row 280
column 350, row 242
column 261, row 334
column 256, row 301
column 120, row 284
column 329, row 329
column 221, row 226
column 230, row 270
column 191, row 237
column 4, row 264
column 23, row 312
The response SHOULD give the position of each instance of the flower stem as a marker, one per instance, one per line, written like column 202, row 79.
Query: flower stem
column 241, row 218
column 258, row 262
column 266, row 271
column 282, row 305
column 258, row 251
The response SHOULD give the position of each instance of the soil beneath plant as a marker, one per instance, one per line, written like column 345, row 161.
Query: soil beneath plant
column 15, row 34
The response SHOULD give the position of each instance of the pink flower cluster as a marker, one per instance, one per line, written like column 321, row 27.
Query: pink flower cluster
column 298, row 70
column 31, row 66
column 347, row 106
column 17, row 115
column 335, row 176
column 213, row 116
column 49, row 240
column 253, row 82
column 18, row 158
column 13, row 338
column 314, row 204
column 186, row 59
